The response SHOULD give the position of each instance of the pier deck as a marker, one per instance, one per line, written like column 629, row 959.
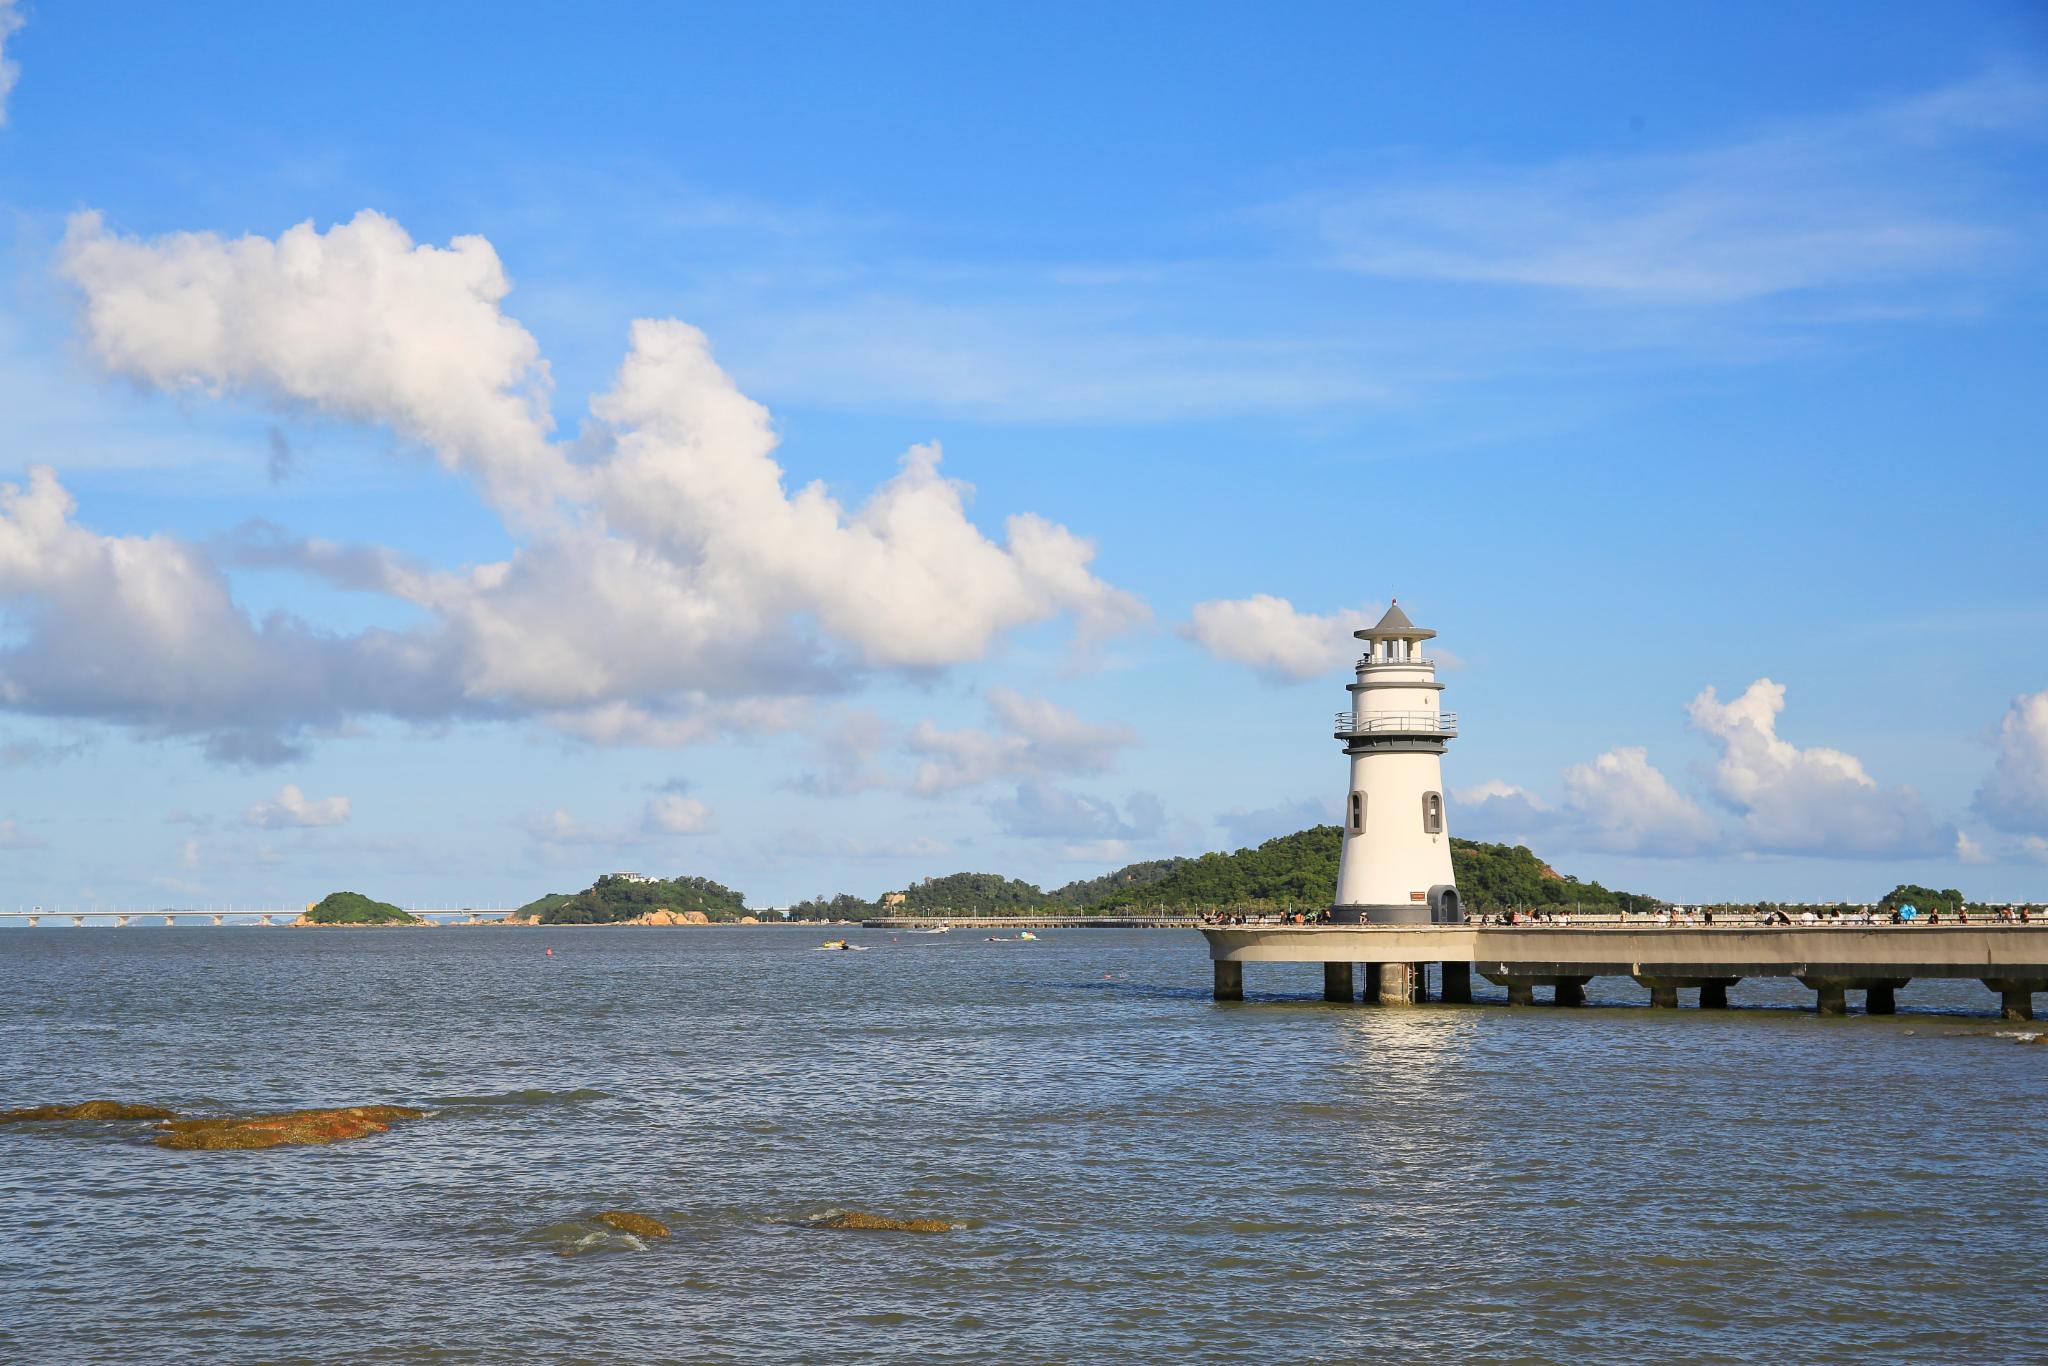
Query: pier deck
column 2010, row 959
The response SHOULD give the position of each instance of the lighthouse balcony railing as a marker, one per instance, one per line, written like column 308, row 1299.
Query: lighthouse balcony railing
column 1375, row 662
column 1397, row 723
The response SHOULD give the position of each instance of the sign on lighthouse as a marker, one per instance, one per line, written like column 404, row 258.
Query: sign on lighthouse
column 1396, row 863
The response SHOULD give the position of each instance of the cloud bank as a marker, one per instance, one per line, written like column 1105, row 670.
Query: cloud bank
column 668, row 586
column 1268, row 635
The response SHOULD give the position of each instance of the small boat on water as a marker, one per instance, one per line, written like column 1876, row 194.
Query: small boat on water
column 937, row 929
column 1028, row 935
column 841, row 944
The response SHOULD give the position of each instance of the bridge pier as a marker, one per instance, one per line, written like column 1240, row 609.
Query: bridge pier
column 120, row 922
column 2016, row 996
column 77, row 922
column 1521, row 992
column 218, row 920
column 1401, row 984
column 1714, row 992
column 1369, row 983
column 1229, row 978
column 1569, row 991
column 1457, row 988
column 1880, row 995
column 1830, row 994
column 34, row 921
column 264, row 920
column 1337, row 984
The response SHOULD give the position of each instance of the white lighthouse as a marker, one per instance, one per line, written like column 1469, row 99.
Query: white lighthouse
column 1396, row 862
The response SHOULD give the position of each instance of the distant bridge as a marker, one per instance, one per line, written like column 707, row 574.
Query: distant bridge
column 242, row 916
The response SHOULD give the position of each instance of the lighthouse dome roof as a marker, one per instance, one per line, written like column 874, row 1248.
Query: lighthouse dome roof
column 1395, row 626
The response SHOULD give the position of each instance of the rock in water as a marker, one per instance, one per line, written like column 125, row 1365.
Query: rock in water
column 856, row 1219
column 289, row 1127
column 91, row 1109
column 639, row 1225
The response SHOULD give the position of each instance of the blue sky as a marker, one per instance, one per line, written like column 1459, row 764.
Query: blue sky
column 815, row 448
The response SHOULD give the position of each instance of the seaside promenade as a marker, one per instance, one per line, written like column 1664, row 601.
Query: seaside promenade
column 1831, row 958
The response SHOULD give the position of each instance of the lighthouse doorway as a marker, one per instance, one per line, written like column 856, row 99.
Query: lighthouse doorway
column 1445, row 907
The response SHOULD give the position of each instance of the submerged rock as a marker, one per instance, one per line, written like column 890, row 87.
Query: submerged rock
column 288, row 1127
column 639, row 1225
column 857, row 1219
column 91, row 1109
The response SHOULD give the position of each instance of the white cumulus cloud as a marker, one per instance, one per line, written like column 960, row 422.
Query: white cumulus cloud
column 1623, row 804
column 1807, row 801
column 1033, row 738
column 1269, row 635
column 674, row 814
column 1618, row 803
column 667, row 586
column 292, row 809
column 2014, row 798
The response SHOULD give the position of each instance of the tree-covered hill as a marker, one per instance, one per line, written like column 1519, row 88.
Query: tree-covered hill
column 1091, row 890
column 969, row 894
column 613, row 898
column 353, row 908
column 1299, row 872
column 1922, row 899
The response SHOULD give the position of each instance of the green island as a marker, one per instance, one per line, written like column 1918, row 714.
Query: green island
column 619, row 897
column 1289, row 873
column 353, row 908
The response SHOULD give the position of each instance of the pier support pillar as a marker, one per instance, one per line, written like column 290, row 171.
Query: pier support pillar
column 1570, row 991
column 2016, row 996
column 1714, row 993
column 1400, row 984
column 1830, row 995
column 1881, row 998
column 1229, row 980
column 1521, row 993
column 1370, row 992
column 1664, row 996
column 1337, row 982
column 120, row 922
column 1457, row 989
column 77, row 922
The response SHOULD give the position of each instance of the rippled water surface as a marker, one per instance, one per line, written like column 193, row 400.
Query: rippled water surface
column 1137, row 1173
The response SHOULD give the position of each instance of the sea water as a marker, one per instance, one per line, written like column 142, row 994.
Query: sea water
column 1133, row 1172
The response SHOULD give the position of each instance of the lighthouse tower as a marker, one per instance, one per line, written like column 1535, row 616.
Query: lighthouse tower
column 1396, row 863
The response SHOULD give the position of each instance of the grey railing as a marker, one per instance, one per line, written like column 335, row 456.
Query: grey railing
column 1397, row 723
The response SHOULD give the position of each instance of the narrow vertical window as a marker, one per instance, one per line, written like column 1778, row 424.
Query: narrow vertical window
column 1357, row 813
column 1433, row 813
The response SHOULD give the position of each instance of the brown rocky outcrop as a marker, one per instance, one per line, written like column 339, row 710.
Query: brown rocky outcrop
column 288, row 1127
column 857, row 1219
column 639, row 1225
column 665, row 916
column 91, row 1109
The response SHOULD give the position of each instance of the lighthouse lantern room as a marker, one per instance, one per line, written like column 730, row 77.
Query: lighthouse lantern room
column 1396, row 863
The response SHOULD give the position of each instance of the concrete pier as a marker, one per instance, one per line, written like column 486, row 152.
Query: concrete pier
column 1370, row 992
column 1229, row 980
column 1401, row 984
column 1830, row 995
column 2015, row 996
column 1663, row 992
column 1832, row 959
column 1337, row 985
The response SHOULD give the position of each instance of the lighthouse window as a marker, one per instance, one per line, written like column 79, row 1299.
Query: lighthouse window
column 1433, row 813
column 1357, row 812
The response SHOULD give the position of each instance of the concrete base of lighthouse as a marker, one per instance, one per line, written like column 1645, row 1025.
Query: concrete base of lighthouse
column 1417, row 913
